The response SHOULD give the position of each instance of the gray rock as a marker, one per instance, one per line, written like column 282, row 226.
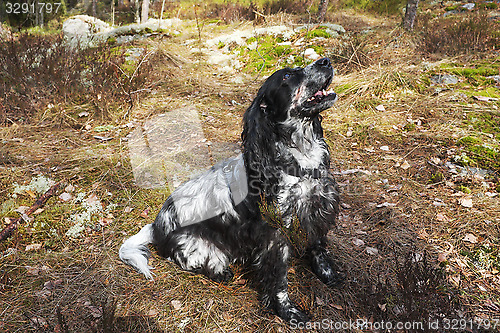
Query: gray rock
column 84, row 31
column 445, row 79
column 469, row 6
column 494, row 77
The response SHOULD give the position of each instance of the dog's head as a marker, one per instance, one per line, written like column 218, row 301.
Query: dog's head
column 297, row 92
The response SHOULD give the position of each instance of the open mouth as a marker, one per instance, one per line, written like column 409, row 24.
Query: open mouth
column 322, row 95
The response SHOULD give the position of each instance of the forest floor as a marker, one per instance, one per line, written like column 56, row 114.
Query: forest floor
column 416, row 159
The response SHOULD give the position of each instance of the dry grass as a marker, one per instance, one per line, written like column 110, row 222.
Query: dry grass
column 417, row 225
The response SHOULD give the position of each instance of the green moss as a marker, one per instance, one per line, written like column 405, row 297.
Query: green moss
column 268, row 56
column 318, row 32
column 484, row 122
column 436, row 178
column 490, row 5
column 409, row 127
column 450, row 8
column 483, row 257
column 468, row 141
column 464, row 189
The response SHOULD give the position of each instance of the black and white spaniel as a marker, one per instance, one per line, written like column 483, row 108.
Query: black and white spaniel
column 274, row 200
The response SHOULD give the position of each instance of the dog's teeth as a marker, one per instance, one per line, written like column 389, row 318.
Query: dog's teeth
column 324, row 92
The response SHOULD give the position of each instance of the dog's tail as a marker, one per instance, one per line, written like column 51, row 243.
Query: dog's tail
column 135, row 252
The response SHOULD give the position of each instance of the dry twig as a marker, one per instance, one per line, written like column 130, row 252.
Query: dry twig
column 40, row 202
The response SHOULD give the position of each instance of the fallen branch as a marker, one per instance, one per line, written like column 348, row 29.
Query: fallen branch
column 39, row 203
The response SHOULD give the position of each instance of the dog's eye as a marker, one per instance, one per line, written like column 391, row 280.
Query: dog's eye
column 287, row 76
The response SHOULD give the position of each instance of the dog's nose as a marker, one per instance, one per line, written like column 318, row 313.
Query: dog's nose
column 324, row 62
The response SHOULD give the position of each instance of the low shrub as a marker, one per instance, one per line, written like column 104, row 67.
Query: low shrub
column 455, row 35
column 39, row 70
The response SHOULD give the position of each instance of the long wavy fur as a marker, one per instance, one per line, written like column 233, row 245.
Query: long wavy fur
column 276, row 199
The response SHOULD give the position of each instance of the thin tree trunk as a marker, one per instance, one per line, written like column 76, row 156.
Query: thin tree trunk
column 323, row 5
column 162, row 9
column 411, row 13
column 94, row 8
column 145, row 11
column 112, row 12
column 137, row 14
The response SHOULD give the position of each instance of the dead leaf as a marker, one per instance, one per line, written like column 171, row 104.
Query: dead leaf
column 38, row 211
column 95, row 311
column 69, row 188
column 226, row 316
column 50, row 285
column 455, row 280
column 422, row 233
column 22, row 209
column 371, row 250
column 436, row 160
column 31, row 194
column 240, row 282
column 92, row 199
column 43, row 294
column 358, row 242
column 128, row 209
column 443, row 256
column 176, row 304
column 405, row 165
column 466, row 201
column 65, row 197
column 105, row 221
column 33, row 247
column 32, row 270
column 384, row 148
column 152, row 312
column 145, row 213
column 470, row 238
column 380, row 108
column 442, row 217
column 386, row 204
column 38, row 323
column 382, row 307
column 336, row 306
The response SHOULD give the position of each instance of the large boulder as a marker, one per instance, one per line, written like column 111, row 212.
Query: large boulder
column 84, row 31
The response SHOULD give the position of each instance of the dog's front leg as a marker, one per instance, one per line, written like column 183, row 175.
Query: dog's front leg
column 323, row 265
column 271, row 264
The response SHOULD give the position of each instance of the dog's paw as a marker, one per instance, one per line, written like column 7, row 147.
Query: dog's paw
column 297, row 316
column 334, row 280
column 326, row 270
column 224, row 277
column 293, row 315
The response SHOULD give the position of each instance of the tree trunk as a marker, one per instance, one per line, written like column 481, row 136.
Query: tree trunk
column 162, row 9
column 145, row 11
column 323, row 5
column 112, row 13
column 411, row 13
column 94, row 8
column 137, row 14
